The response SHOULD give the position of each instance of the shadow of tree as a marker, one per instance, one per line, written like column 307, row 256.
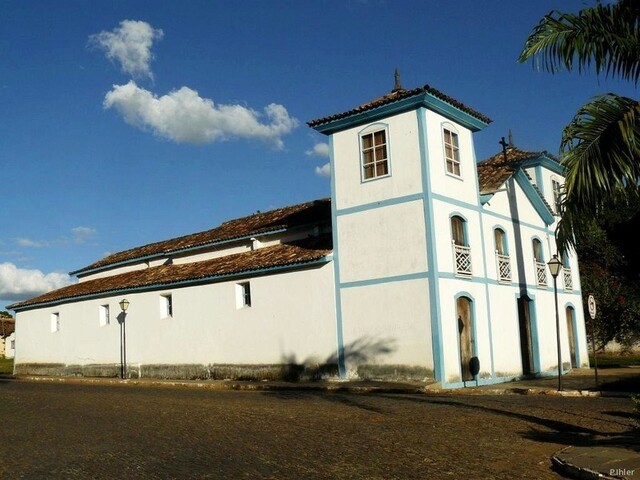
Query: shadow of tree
column 557, row 431
column 360, row 351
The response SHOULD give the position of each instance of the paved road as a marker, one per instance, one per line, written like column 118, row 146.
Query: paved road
column 78, row 431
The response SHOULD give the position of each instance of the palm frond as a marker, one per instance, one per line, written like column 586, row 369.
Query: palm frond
column 605, row 37
column 601, row 149
column 601, row 154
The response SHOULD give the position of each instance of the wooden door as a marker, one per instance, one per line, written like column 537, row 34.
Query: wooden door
column 465, row 335
column 571, row 336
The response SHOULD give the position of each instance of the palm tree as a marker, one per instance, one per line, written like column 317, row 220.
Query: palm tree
column 600, row 147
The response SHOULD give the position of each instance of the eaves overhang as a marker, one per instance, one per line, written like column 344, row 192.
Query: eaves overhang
column 176, row 284
column 534, row 197
column 425, row 99
column 168, row 253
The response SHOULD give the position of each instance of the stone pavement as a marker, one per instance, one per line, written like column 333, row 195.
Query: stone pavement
column 591, row 462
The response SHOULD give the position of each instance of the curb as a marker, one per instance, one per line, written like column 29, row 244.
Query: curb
column 337, row 387
column 574, row 471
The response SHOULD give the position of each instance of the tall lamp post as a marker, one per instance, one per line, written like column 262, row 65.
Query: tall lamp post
column 124, row 304
column 555, row 265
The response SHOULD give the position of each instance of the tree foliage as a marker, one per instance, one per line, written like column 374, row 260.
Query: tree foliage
column 600, row 147
column 600, row 150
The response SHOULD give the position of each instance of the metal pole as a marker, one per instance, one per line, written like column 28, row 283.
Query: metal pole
column 121, row 353
column 124, row 343
column 593, row 347
column 555, row 297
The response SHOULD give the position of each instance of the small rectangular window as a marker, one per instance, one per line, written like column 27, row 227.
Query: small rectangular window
column 104, row 315
column 166, row 306
column 452, row 152
column 55, row 322
column 375, row 162
column 243, row 295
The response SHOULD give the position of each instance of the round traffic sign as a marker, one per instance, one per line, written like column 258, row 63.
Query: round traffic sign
column 591, row 303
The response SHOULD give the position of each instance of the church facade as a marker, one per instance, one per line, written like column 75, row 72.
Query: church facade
column 423, row 265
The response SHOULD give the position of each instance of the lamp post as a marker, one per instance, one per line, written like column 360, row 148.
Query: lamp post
column 555, row 265
column 124, row 304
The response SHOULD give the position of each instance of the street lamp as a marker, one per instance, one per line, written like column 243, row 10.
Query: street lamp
column 124, row 304
column 555, row 265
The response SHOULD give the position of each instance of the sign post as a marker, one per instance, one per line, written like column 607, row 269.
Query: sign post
column 591, row 303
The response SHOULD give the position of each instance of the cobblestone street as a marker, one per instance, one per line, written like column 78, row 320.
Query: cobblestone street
column 77, row 431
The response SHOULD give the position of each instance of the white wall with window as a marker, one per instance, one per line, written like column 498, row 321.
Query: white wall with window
column 104, row 315
column 403, row 164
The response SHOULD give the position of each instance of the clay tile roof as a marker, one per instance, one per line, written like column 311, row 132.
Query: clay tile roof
column 283, row 255
column 7, row 326
column 318, row 211
column 494, row 171
column 397, row 96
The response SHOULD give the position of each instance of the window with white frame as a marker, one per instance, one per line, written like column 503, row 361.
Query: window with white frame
column 104, row 315
column 166, row 306
column 539, row 264
column 375, row 159
column 55, row 322
column 451, row 152
column 503, row 261
column 566, row 272
column 461, row 249
column 243, row 295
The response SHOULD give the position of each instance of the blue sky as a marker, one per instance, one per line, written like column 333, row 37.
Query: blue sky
column 124, row 123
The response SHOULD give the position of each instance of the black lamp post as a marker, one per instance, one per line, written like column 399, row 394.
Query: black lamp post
column 555, row 265
column 124, row 304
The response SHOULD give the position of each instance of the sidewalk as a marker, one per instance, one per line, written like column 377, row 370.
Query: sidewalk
column 574, row 461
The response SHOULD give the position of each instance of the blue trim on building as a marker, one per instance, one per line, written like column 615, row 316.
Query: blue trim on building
column 417, row 102
column 382, row 280
column 533, row 196
column 535, row 338
column 471, row 206
column 539, row 181
column 574, row 324
column 383, row 203
column 342, row 370
column 545, row 162
column 434, row 290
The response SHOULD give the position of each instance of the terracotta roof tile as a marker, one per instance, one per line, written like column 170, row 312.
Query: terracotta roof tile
column 283, row 255
column 397, row 96
column 315, row 212
column 494, row 171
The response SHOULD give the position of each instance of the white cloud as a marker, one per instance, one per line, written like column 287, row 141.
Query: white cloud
column 19, row 284
column 185, row 117
column 319, row 150
column 130, row 45
column 28, row 243
column 83, row 234
column 324, row 170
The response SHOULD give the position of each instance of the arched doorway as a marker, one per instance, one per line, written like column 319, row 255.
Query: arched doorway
column 465, row 336
column 571, row 336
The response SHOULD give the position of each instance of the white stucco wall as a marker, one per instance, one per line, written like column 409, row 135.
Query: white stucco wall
column 404, row 163
column 291, row 317
column 382, row 242
column 392, row 315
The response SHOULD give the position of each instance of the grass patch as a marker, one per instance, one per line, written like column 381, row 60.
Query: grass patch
column 6, row 365
column 609, row 360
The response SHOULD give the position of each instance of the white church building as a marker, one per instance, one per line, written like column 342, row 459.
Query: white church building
column 423, row 265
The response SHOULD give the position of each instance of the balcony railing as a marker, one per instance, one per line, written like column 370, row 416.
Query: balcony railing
column 568, row 280
column 504, row 267
column 463, row 259
column 541, row 273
